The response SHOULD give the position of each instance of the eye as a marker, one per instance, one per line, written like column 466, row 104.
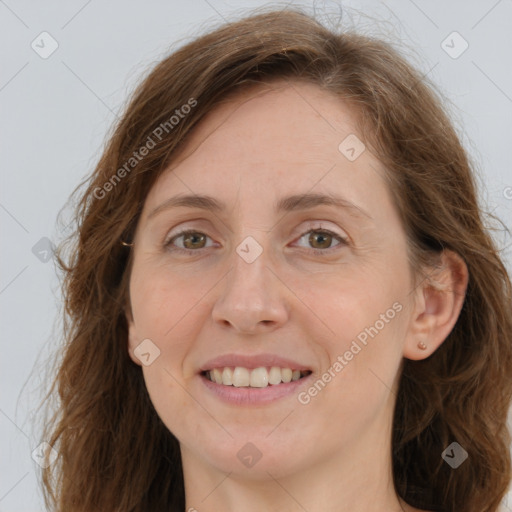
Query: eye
column 192, row 240
column 321, row 240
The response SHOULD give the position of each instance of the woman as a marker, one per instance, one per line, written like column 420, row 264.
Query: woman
column 283, row 295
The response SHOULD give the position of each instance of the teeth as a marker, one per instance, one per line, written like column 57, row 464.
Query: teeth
column 241, row 377
column 256, row 378
column 274, row 376
column 259, row 378
column 217, row 376
column 286, row 374
column 227, row 377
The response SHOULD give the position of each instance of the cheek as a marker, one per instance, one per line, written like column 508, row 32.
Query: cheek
column 168, row 395
column 166, row 311
column 365, row 324
column 353, row 305
column 163, row 300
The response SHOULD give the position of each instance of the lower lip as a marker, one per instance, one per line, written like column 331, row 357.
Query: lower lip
column 254, row 396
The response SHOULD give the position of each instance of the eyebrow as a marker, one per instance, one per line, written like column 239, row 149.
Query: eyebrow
column 295, row 202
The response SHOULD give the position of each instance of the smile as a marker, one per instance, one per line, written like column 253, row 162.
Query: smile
column 241, row 386
column 261, row 377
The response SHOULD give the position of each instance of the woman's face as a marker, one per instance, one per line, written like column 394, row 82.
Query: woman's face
column 272, row 279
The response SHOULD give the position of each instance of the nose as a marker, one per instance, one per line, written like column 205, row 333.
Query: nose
column 253, row 298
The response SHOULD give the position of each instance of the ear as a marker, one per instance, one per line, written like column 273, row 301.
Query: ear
column 438, row 301
column 132, row 336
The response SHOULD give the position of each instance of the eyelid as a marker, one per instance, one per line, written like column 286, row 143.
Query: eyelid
column 196, row 225
column 298, row 231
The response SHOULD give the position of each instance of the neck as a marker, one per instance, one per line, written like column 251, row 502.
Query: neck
column 355, row 479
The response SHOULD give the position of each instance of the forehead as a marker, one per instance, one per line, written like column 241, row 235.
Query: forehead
column 273, row 138
column 288, row 117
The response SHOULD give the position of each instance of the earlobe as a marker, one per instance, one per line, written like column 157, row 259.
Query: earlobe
column 439, row 301
column 132, row 338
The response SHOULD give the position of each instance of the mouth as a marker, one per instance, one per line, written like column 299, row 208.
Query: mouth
column 261, row 377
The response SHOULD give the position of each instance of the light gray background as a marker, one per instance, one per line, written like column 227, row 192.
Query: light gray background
column 55, row 114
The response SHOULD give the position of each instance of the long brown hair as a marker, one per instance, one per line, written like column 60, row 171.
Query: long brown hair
column 114, row 452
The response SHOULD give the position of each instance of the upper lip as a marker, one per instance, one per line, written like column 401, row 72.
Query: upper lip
column 251, row 362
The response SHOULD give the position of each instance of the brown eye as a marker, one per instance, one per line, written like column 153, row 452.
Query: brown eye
column 191, row 241
column 320, row 239
column 194, row 240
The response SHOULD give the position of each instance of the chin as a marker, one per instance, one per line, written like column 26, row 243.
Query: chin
column 254, row 457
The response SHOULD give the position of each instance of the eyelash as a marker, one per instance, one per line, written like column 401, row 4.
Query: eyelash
column 323, row 252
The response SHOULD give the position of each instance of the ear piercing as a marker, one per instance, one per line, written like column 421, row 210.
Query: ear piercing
column 422, row 345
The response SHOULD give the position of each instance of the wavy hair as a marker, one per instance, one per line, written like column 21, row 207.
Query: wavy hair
column 114, row 452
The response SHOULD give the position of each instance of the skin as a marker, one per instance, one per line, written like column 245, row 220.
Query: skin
column 332, row 454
